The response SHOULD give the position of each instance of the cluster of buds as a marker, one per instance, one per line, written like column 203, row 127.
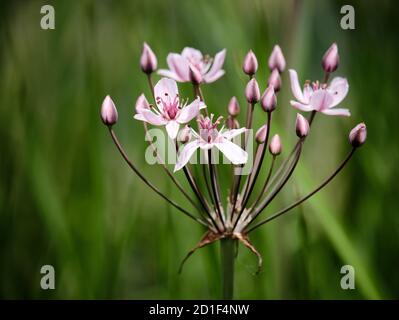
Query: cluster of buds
column 238, row 216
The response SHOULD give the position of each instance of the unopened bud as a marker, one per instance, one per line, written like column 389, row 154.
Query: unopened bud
column 250, row 65
column 195, row 75
column 276, row 59
column 261, row 134
column 275, row 145
column 185, row 134
column 252, row 92
column 109, row 114
column 232, row 123
column 142, row 104
column 302, row 126
column 148, row 60
column 233, row 108
column 330, row 60
column 275, row 80
column 358, row 135
column 269, row 99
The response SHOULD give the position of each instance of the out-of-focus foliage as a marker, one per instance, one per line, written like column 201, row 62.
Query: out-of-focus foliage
column 67, row 199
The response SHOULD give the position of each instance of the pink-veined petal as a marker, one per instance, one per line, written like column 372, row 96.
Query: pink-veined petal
column 337, row 112
column 212, row 78
column 301, row 106
column 179, row 65
column 153, row 118
column 166, row 87
column 169, row 74
column 296, row 88
column 189, row 112
column 230, row 134
column 192, row 54
column 172, row 128
column 214, row 72
column 339, row 88
column 321, row 99
column 186, row 154
column 232, row 152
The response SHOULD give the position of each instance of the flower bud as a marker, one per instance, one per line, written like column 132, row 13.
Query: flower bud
column 233, row 107
column 330, row 60
column 302, row 126
column 148, row 60
column 232, row 123
column 275, row 145
column 195, row 75
column 109, row 114
column 269, row 99
column 261, row 134
column 276, row 59
column 250, row 64
column 185, row 134
column 275, row 80
column 142, row 104
column 252, row 92
column 358, row 135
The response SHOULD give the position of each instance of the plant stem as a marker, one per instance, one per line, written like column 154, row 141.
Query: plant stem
column 227, row 249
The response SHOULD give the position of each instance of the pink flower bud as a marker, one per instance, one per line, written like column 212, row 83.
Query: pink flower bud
column 276, row 59
column 275, row 80
column 250, row 64
column 148, row 60
column 185, row 134
column 195, row 75
column 330, row 60
column 109, row 114
column 269, row 99
column 252, row 92
column 232, row 123
column 358, row 135
column 302, row 126
column 261, row 134
column 233, row 108
column 275, row 145
column 142, row 104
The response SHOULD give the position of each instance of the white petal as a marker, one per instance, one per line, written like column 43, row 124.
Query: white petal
column 172, row 128
column 216, row 70
column 213, row 77
column 295, row 87
column 192, row 54
column 186, row 153
column 166, row 87
column 337, row 112
column 179, row 65
column 300, row 106
column 321, row 99
column 189, row 112
column 338, row 88
column 232, row 152
column 152, row 118
column 230, row 134
column 169, row 74
column 140, row 117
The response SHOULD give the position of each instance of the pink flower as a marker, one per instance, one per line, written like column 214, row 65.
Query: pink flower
column 320, row 98
column 170, row 112
column 210, row 137
column 179, row 65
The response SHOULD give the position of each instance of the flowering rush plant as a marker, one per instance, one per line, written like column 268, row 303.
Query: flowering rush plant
column 194, row 130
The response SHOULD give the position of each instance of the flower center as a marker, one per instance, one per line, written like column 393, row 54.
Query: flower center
column 170, row 107
column 208, row 128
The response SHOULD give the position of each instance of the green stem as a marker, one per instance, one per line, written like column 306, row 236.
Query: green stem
column 227, row 248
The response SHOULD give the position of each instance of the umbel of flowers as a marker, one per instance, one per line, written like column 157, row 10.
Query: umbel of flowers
column 193, row 128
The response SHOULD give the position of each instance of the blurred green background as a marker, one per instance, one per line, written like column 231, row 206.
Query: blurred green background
column 67, row 198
